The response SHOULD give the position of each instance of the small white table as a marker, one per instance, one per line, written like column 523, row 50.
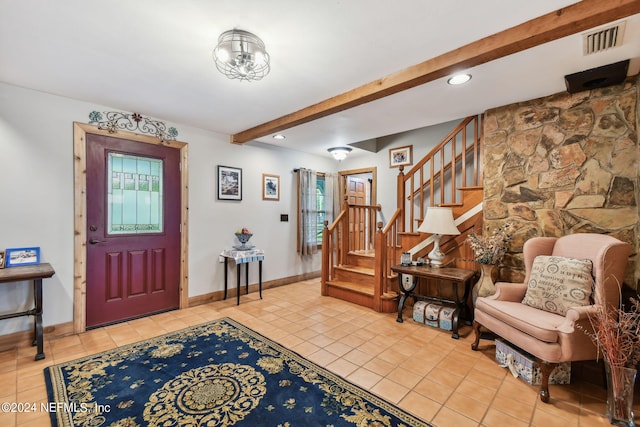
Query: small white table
column 243, row 257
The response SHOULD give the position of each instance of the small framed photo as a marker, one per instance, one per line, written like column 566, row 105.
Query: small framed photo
column 229, row 183
column 400, row 156
column 21, row 256
column 1, row 259
column 270, row 187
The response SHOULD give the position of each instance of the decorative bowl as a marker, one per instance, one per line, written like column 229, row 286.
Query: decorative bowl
column 243, row 238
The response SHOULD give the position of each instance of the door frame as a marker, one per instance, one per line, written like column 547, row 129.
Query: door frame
column 373, row 170
column 80, row 130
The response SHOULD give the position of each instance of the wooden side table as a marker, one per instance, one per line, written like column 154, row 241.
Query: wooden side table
column 36, row 273
column 243, row 257
column 454, row 276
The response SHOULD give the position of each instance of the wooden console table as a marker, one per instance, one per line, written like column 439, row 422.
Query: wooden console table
column 243, row 257
column 455, row 276
column 36, row 273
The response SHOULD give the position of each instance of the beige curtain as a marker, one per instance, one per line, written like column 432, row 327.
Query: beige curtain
column 307, row 197
column 332, row 195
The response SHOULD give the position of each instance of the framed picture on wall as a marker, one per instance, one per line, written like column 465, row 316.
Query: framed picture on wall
column 270, row 187
column 400, row 156
column 229, row 183
column 21, row 256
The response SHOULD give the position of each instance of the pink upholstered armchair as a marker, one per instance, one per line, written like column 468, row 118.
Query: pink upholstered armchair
column 552, row 337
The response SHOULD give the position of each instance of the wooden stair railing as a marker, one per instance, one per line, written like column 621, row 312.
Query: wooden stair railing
column 332, row 251
column 388, row 248
column 353, row 230
column 362, row 220
column 453, row 164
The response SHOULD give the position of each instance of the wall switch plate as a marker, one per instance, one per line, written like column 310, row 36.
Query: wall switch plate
column 284, row 218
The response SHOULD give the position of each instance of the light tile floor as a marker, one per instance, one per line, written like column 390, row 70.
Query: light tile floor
column 422, row 369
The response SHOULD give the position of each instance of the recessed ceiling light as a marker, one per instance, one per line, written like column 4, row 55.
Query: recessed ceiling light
column 459, row 79
column 279, row 136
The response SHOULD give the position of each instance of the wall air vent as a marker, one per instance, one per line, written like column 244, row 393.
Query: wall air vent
column 603, row 39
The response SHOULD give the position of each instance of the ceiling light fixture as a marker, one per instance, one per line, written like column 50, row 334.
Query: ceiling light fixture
column 459, row 79
column 339, row 153
column 279, row 136
column 241, row 55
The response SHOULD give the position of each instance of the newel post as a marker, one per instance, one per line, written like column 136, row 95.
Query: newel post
column 401, row 201
column 344, row 232
column 379, row 267
column 326, row 263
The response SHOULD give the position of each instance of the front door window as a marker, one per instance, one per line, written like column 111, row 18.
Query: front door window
column 135, row 191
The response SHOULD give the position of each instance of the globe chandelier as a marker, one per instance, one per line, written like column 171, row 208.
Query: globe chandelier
column 241, row 55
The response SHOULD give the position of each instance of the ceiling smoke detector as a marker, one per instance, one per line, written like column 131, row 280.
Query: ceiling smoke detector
column 603, row 39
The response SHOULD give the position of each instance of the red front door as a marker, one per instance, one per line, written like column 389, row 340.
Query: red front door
column 133, row 229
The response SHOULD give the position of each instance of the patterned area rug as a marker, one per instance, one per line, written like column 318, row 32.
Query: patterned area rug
column 217, row 374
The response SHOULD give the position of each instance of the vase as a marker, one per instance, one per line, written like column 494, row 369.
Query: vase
column 485, row 286
column 620, row 384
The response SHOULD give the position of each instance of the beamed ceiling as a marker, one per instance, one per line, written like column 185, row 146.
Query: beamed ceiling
column 342, row 71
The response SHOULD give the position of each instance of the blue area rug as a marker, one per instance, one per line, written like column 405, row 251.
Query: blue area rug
column 217, row 374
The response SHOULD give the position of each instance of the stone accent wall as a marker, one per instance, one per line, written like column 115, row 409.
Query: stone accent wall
column 566, row 163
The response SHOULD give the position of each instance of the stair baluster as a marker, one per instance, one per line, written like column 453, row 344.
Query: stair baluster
column 357, row 257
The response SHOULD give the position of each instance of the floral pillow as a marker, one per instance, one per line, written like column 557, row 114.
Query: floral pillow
column 557, row 284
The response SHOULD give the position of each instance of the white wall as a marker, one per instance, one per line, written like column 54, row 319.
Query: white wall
column 36, row 203
column 423, row 140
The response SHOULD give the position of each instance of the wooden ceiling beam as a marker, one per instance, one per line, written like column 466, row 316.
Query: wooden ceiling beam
column 552, row 26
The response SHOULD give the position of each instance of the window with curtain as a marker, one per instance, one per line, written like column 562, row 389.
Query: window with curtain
column 322, row 209
column 308, row 212
column 316, row 200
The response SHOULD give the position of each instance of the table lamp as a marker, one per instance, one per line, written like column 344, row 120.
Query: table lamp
column 439, row 222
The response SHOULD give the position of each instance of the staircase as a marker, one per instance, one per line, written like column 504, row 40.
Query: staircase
column 358, row 252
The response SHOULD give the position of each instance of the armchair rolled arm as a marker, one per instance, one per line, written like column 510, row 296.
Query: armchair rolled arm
column 576, row 314
column 513, row 292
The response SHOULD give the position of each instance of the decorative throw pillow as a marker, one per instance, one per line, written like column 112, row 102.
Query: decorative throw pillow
column 557, row 284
